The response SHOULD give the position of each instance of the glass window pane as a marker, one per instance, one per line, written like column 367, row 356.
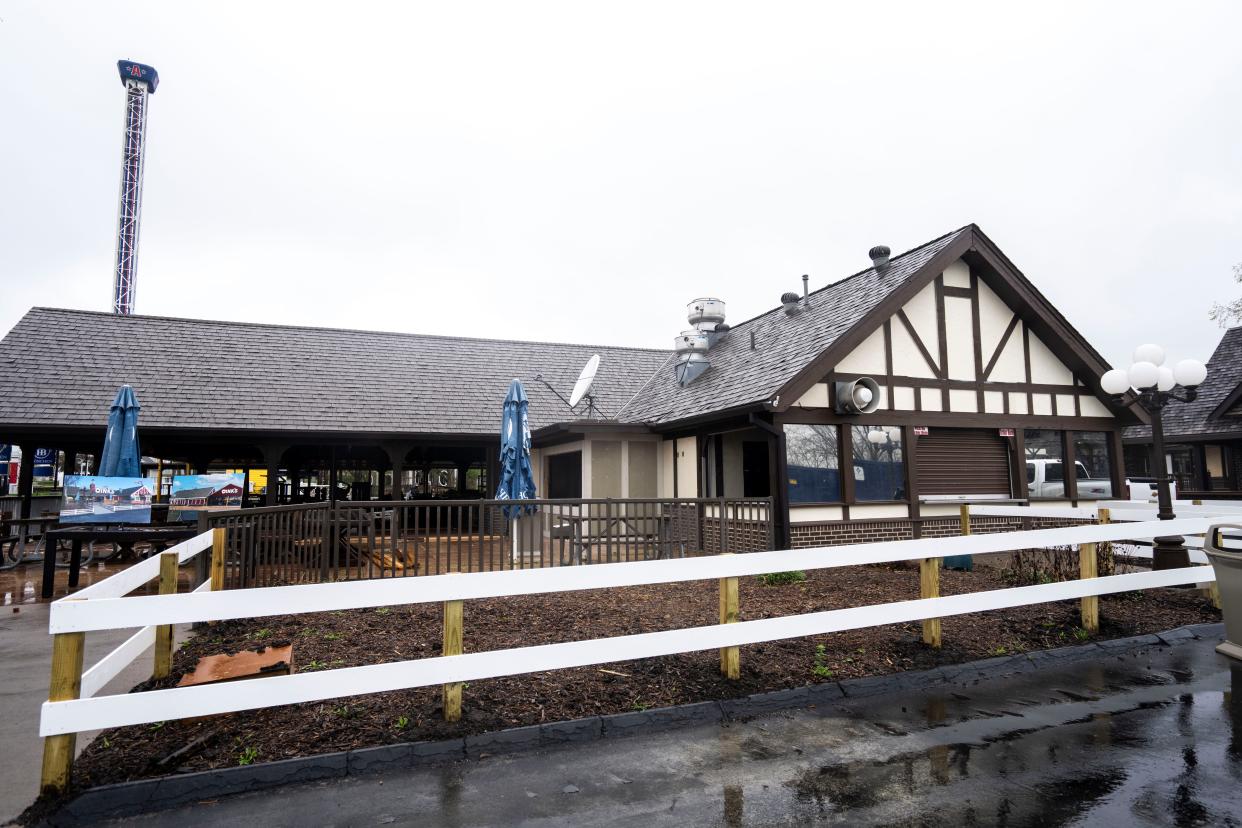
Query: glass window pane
column 879, row 467
column 813, row 459
column 1092, row 466
column 1043, row 458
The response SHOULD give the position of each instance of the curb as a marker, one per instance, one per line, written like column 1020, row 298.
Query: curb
column 146, row 795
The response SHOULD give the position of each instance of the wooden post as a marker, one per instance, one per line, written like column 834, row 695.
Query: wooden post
column 164, row 632
column 1088, row 567
column 66, row 685
column 730, row 657
column 929, row 587
column 1089, row 608
column 452, row 646
column 217, row 559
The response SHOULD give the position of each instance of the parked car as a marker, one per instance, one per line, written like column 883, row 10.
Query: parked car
column 1045, row 477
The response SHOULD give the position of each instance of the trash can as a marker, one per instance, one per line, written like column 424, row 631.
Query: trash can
column 1227, row 563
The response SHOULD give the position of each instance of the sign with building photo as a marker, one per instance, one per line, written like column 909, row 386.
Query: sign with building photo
column 95, row 499
column 194, row 493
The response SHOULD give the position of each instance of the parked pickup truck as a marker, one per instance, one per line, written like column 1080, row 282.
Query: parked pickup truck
column 1045, row 478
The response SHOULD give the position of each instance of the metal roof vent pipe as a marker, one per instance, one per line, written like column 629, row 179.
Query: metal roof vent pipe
column 806, row 291
column 789, row 301
column 879, row 256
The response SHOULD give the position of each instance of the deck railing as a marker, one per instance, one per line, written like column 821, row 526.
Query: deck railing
column 321, row 542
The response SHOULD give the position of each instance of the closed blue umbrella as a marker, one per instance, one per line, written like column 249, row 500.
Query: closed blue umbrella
column 517, row 482
column 120, row 456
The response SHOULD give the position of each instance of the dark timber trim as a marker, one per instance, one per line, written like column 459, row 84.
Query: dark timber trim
column 1000, row 348
column 976, row 330
column 888, row 363
column 931, row 363
column 943, row 335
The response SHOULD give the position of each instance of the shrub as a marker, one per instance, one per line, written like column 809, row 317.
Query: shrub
column 779, row 578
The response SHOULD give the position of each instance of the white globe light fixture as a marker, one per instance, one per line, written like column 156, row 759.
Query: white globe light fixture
column 1190, row 373
column 1143, row 375
column 1164, row 378
column 1149, row 353
column 1152, row 385
column 1115, row 382
column 876, row 436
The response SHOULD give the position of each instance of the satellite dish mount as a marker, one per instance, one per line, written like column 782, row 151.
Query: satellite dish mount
column 582, row 389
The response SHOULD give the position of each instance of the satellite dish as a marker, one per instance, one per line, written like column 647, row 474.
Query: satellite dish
column 583, row 386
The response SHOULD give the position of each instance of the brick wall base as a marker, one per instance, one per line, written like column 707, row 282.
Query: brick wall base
column 840, row 532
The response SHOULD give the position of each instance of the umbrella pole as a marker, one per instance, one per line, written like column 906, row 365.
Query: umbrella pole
column 514, row 532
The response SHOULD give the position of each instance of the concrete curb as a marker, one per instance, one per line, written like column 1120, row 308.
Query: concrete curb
column 147, row 795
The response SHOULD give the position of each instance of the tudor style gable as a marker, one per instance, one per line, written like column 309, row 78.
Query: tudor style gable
column 956, row 346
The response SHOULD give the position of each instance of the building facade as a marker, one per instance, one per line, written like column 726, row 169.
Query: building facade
column 975, row 388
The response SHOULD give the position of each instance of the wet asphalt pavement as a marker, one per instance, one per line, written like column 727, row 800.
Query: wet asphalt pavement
column 1150, row 736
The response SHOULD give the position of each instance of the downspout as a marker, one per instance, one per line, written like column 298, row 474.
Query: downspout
column 778, row 473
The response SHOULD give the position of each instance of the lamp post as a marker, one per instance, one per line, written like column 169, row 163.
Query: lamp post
column 1153, row 385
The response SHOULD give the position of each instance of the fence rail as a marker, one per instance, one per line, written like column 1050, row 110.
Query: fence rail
column 346, row 541
column 108, row 608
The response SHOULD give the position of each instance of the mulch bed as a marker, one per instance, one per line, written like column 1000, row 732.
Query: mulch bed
column 356, row 637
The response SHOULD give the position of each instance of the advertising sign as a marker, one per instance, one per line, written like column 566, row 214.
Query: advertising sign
column 194, row 493
column 44, row 459
column 95, row 499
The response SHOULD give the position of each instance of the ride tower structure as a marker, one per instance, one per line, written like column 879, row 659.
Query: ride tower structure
column 140, row 82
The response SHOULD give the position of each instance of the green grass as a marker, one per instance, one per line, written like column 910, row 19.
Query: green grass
column 781, row 578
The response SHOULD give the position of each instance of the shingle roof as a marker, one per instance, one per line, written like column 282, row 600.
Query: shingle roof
column 1195, row 418
column 62, row 367
column 784, row 344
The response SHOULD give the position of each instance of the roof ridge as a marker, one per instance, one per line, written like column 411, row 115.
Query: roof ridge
column 862, row 272
column 274, row 325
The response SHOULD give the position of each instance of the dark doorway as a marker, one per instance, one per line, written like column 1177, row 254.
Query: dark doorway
column 755, row 479
column 565, row 475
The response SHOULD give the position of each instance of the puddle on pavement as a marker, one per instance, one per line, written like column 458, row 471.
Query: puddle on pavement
column 21, row 585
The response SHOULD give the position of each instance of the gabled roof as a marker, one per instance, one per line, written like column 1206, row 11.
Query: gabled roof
column 771, row 360
column 1218, row 396
column 62, row 368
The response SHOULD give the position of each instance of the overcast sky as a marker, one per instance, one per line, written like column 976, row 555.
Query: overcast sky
column 579, row 171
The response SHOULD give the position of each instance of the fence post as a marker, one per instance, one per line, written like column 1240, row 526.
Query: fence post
column 217, row 559
column 66, row 685
column 929, row 584
column 730, row 657
column 1089, row 609
column 164, row 632
column 452, row 646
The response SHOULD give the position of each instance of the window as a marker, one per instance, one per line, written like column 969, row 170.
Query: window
column 1044, row 456
column 565, row 474
column 813, row 461
column 879, row 466
column 1092, row 465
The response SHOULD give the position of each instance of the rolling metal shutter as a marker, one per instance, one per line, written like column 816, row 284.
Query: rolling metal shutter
column 962, row 461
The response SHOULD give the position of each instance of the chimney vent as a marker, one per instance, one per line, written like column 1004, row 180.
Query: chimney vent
column 879, row 255
column 789, row 301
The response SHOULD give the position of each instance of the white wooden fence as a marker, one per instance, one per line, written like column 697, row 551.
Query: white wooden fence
column 104, row 606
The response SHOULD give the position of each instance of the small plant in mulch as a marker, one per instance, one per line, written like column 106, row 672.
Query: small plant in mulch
column 820, row 670
column 247, row 756
column 402, row 722
column 1081, row 634
column 781, row 578
column 383, row 611
column 331, row 636
column 259, row 635
column 639, row 705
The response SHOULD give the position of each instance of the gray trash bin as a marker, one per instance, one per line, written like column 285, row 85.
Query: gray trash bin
column 1223, row 545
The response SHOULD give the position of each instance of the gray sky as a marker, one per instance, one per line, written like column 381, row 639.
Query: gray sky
column 578, row 172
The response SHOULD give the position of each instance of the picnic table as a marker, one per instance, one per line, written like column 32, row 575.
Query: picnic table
column 160, row 538
column 587, row 530
column 15, row 532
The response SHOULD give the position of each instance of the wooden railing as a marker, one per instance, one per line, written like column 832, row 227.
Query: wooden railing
column 356, row 541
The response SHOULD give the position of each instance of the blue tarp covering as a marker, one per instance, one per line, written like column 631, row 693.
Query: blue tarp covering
column 120, row 456
column 873, row 480
column 517, row 482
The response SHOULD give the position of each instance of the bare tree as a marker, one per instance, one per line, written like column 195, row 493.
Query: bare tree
column 1229, row 312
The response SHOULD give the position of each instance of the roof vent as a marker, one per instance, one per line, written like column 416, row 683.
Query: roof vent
column 879, row 255
column 789, row 301
column 707, row 316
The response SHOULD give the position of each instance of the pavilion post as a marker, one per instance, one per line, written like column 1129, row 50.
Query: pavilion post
column 25, row 478
column 272, row 455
